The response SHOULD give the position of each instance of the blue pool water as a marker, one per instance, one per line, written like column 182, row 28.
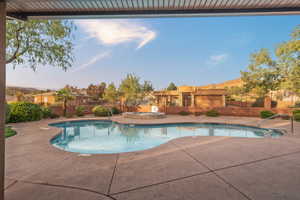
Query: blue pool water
column 100, row 137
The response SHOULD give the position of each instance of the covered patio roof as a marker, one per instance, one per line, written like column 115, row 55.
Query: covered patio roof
column 24, row 9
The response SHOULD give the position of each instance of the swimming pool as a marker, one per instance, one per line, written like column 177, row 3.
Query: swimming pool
column 102, row 137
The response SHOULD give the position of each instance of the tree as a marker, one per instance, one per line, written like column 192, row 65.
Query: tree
column 102, row 87
column 64, row 95
column 261, row 76
column 96, row 91
column 72, row 89
column 172, row 86
column 288, row 62
column 147, row 87
column 39, row 42
column 283, row 72
column 131, row 90
column 111, row 94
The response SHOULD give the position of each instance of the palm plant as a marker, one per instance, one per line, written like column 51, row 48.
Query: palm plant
column 64, row 95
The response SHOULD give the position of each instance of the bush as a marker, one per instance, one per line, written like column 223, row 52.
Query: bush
column 25, row 111
column 46, row 112
column 266, row 114
column 53, row 116
column 101, row 111
column 79, row 110
column 183, row 113
column 9, row 132
column 297, row 117
column 212, row 113
column 7, row 112
column 296, row 112
column 115, row 110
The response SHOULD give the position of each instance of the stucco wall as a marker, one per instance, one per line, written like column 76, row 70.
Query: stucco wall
column 209, row 101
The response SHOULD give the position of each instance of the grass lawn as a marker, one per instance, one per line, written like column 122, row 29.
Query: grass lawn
column 9, row 132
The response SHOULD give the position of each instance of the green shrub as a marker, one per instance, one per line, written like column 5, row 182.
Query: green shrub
column 183, row 113
column 25, row 111
column 296, row 112
column 79, row 110
column 212, row 113
column 46, row 112
column 7, row 112
column 266, row 114
column 115, row 110
column 101, row 111
column 297, row 117
column 9, row 132
column 53, row 116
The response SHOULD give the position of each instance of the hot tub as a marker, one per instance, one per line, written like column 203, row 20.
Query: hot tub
column 144, row 115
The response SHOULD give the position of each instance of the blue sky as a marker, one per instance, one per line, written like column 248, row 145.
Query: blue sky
column 187, row 51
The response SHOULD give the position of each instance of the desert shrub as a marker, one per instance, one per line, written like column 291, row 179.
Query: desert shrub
column 53, row 116
column 101, row 111
column 46, row 112
column 115, row 110
column 25, row 111
column 7, row 112
column 297, row 117
column 79, row 110
column 212, row 113
column 183, row 113
column 266, row 114
column 296, row 112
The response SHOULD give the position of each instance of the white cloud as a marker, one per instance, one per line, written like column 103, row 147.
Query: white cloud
column 217, row 59
column 93, row 60
column 113, row 32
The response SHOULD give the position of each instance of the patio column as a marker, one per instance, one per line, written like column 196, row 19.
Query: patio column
column 2, row 94
column 181, row 99
column 192, row 100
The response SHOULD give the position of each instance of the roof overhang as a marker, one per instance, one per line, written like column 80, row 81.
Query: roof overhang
column 45, row 9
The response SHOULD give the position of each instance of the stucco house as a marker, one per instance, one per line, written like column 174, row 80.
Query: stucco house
column 191, row 96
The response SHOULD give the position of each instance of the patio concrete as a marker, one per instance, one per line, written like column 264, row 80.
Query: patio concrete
column 185, row 168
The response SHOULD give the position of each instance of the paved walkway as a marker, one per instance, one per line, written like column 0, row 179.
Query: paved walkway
column 190, row 168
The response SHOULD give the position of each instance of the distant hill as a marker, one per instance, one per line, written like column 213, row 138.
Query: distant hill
column 231, row 83
column 12, row 90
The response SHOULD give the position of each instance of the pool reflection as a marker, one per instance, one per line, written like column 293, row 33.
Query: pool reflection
column 110, row 137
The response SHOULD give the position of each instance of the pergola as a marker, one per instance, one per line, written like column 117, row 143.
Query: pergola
column 51, row 9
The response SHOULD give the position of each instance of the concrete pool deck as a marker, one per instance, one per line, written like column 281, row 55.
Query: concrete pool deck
column 190, row 168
